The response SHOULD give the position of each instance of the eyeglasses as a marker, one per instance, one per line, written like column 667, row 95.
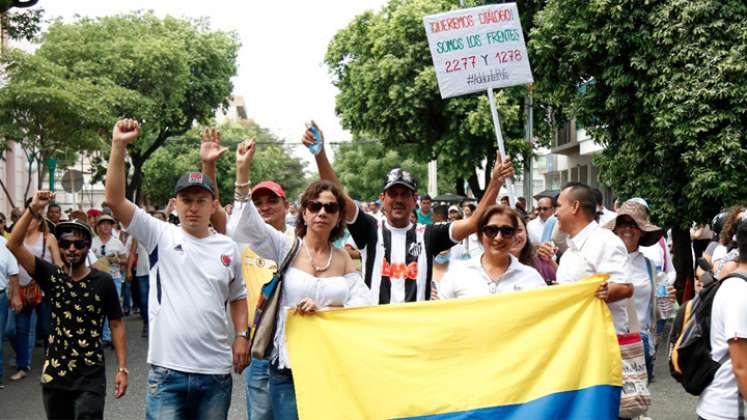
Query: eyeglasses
column 491, row 231
column 78, row 244
column 330, row 208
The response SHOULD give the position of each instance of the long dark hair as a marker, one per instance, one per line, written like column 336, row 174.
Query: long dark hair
column 312, row 192
column 526, row 255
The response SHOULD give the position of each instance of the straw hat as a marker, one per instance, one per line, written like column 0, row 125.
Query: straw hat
column 650, row 234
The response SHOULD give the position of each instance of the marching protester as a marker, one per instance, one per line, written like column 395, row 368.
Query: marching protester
column 425, row 213
column 725, row 257
column 138, row 268
column 524, row 250
column 318, row 276
column 73, row 377
column 496, row 270
column 397, row 256
column 592, row 250
column 31, row 303
column 8, row 277
column 723, row 398
column 604, row 215
column 636, row 232
column 195, row 281
column 535, row 226
column 108, row 247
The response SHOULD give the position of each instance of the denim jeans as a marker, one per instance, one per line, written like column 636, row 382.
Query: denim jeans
column 143, row 286
column 180, row 395
column 4, row 305
column 126, row 296
column 107, row 334
column 282, row 394
column 257, row 389
column 649, row 359
column 43, row 318
column 22, row 338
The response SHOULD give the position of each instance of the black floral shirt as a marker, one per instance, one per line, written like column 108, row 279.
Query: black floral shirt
column 75, row 359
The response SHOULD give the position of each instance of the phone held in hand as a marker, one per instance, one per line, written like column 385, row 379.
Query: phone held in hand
column 315, row 148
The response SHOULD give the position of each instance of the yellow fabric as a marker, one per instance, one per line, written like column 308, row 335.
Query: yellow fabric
column 439, row 357
column 257, row 271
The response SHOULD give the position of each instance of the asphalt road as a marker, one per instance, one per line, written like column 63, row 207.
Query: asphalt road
column 22, row 399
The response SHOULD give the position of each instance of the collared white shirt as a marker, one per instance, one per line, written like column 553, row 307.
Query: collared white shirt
column 468, row 279
column 637, row 274
column 535, row 227
column 8, row 265
column 596, row 250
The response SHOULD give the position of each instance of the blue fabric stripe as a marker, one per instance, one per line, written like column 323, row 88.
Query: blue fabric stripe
column 596, row 402
column 153, row 257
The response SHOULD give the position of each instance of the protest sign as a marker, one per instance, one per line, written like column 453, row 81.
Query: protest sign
column 478, row 49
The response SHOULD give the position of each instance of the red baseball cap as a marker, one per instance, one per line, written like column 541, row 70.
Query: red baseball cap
column 273, row 187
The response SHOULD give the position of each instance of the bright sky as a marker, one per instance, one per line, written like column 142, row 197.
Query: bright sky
column 281, row 73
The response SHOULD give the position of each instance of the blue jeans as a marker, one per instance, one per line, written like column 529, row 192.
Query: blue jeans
column 649, row 359
column 4, row 305
column 179, row 395
column 43, row 318
column 257, row 389
column 282, row 394
column 107, row 334
column 143, row 286
column 126, row 296
column 22, row 338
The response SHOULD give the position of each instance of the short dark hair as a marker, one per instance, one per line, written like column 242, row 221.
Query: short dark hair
column 496, row 209
column 598, row 196
column 585, row 196
column 311, row 193
column 54, row 205
column 425, row 197
column 742, row 241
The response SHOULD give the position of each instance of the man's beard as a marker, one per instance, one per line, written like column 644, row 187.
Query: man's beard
column 75, row 263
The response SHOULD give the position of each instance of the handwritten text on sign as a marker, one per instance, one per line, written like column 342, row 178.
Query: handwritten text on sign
column 474, row 49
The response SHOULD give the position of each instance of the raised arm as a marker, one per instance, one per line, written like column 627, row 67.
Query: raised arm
column 123, row 133
column 328, row 174
column 15, row 242
column 501, row 170
column 210, row 152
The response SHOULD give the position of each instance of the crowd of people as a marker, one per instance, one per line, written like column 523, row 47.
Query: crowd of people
column 195, row 272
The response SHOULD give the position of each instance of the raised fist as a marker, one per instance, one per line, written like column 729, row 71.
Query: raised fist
column 41, row 199
column 245, row 153
column 125, row 131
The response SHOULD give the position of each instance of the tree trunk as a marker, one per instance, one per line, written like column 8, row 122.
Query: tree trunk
column 459, row 187
column 474, row 185
column 133, row 188
column 136, row 180
column 7, row 193
column 683, row 263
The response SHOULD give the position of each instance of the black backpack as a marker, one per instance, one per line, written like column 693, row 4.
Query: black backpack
column 690, row 360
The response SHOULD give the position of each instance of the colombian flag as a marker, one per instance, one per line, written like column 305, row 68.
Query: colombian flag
column 544, row 353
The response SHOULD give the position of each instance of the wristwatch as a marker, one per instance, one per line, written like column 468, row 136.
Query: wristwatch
column 246, row 334
column 123, row 370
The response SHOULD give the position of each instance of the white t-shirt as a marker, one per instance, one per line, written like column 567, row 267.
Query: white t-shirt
column 637, row 273
column 191, row 279
column 469, row 279
column 142, row 266
column 8, row 265
column 111, row 248
column 728, row 321
column 535, row 227
column 596, row 250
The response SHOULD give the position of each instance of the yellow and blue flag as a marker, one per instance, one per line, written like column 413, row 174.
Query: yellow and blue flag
column 543, row 353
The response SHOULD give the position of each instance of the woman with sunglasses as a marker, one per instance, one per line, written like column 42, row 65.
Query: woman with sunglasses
column 40, row 243
column 319, row 275
column 496, row 270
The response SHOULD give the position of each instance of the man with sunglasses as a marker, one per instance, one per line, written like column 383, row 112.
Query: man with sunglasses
column 397, row 256
column 536, row 226
column 195, row 280
column 73, row 377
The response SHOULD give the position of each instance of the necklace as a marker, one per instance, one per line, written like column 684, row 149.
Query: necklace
column 311, row 260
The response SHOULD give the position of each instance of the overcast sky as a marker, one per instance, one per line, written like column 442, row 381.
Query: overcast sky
column 281, row 72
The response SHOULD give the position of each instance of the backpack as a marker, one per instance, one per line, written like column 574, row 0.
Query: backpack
column 690, row 361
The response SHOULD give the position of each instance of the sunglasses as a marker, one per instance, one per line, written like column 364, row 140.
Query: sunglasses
column 330, row 208
column 491, row 231
column 78, row 244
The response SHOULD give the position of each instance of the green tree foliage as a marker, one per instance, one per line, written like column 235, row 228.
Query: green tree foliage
column 273, row 161
column 666, row 95
column 21, row 24
column 382, row 65
column 363, row 177
column 174, row 71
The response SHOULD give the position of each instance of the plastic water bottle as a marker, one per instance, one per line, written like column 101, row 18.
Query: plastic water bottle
column 319, row 144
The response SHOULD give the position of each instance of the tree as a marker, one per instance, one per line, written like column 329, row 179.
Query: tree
column 175, row 72
column 364, row 177
column 24, row 24
column 388, row 89
column 272, row 161
column 662, row 85
column 47, row 114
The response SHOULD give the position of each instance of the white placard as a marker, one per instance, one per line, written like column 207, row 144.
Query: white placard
column 478, row 48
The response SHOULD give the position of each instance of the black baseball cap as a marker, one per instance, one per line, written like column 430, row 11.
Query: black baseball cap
column 399, row 176
column 74, row 225
column 195, row 179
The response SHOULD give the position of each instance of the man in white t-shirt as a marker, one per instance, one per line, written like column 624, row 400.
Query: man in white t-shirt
column 720, row 400
column 592, row 250
column 8, row 276
column 195, row 273
column 537, row 225
column 108, row 246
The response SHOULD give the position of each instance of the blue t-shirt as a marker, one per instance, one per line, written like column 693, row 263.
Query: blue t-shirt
column 423, row 219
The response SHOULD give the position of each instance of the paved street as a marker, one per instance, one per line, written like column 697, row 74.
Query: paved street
column 22, row 400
